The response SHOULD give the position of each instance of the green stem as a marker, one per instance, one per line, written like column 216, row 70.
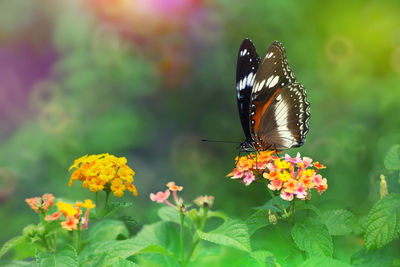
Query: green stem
column 276, row 201
column 97, row 204
column 182, row 249
column 77, row 239
column 203, row 222
column 106, row 203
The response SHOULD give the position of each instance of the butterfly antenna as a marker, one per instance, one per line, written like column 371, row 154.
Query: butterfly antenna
column 219, row 141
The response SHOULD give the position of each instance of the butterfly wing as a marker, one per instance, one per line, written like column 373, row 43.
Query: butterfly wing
column 279, row 108
column 247, row 65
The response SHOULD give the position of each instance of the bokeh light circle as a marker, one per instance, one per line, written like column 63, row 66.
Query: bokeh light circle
column 339, row 49
column 54, row 118
column 8, row 183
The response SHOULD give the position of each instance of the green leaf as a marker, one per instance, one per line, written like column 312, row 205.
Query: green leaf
column 10, row 244
column 107, row 230
column 302, row 205
column 216, row 213
column 339, row 222
column 392, row 159
column 170, row 214
column 383, row 222
column 313, row 237
column 376, row 258
column 324, row 261
column 161, row 238
column 232, row 233
column 120, row 262
column 65, row 256
column 257, row 220
column 17, row 264
column 115, row 206
column 262, row 257
column 271, row 205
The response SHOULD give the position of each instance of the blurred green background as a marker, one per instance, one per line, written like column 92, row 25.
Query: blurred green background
column 148, row 79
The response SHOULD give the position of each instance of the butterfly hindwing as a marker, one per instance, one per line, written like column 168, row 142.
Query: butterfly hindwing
column 247, row 65
column 279, row 110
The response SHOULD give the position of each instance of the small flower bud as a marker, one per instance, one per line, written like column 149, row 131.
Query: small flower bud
column 383, row 187
column 272, row 217
column 204, row 201
column 182, row 209
column 29, row 230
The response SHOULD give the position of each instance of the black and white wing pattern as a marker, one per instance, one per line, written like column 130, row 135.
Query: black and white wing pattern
column 247, row 66
column 279, row 110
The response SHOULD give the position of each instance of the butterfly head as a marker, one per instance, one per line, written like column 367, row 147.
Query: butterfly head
column 247, row 146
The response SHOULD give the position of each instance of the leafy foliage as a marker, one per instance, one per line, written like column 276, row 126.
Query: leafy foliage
column 257, row 220
column 232, row 233
column 64, row 257
column 324, row 261
column 383, row 222
column 340, row 222
column 313, row 237
column 392, row 159
column 107, row 230
column 375, row 258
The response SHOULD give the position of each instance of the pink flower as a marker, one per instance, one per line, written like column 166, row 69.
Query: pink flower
column 300, row 192
column 295, row 160
column 160, row 197
column 318, row 179
column 275, row 184
column 307, row 161
column 286, row 196
column 237, row 175
column 248, row 178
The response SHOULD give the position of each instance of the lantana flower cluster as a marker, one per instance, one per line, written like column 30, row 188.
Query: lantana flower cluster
column 69, row 214
column 104, row 172
column 41, row 204
column 293, row 177
column 162, row 197
column 72, row 213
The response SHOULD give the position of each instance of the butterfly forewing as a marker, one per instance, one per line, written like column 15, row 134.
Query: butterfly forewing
column 247, row 66
column 279, row 110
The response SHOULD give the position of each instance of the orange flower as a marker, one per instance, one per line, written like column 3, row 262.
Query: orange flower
column 55, row 216
column 290, row 186
column 318, row 165
column 173, row 187
column 70, row 224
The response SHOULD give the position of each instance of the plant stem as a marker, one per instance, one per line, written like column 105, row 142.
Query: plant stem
column 106, row 203
column 203, row 222
column 77, row 239
column 97, row 204
column 276, row 201
column 182, row 249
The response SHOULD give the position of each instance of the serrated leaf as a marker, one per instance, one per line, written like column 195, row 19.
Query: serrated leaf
column 257, row 220
column 339, row 222
column 10, row 244
column 271, row 205
column 159, row 237
column 325, row 262
column 120, row 262
column 302, row 205
column 115, row 206
column 392, row 158
column 376, row 258
column 64, row 257
column 170, row 214
column 232, row 233
column 107, row 230
column 383, row 222
column 313, row 237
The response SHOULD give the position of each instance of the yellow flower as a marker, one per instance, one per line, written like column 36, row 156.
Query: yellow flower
column 282, row 164
column 284, row 176
column 104, row 171
column 124, row 172
column 107, row 174
column 66, row 208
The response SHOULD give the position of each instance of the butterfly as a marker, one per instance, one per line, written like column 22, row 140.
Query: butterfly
column 273, row 107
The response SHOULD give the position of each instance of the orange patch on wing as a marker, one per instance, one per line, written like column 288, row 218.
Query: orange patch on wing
column 260, row 111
